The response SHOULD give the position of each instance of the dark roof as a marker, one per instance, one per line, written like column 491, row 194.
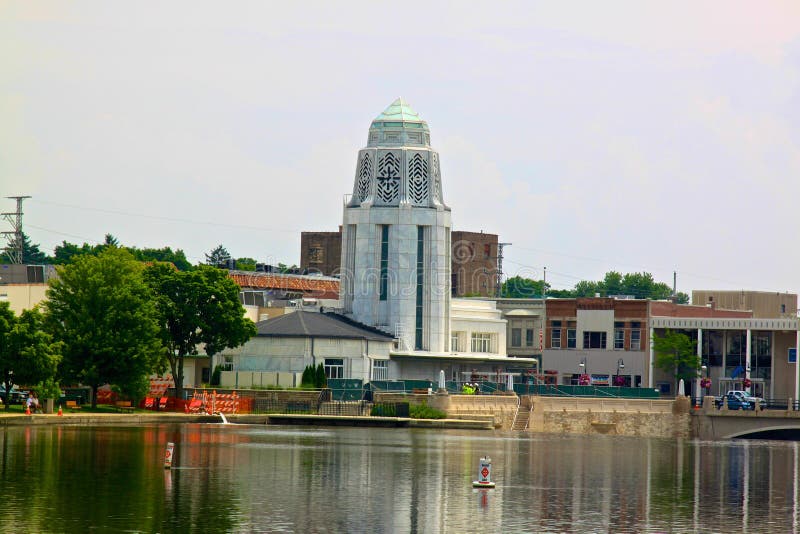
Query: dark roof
column 314, row 324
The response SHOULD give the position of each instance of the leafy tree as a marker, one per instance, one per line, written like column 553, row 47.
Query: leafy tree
column 245, row 264
column 219, row 255
column 27, row 352
column 640, row 285
column 31, row 255
column 519, row 287
column 283, row 268
column 64, row 252
column 103, row 312
column 613, row 284
column 110, row 240
column 585, row 288
column 166, row 255
column 198, row 307
column 676, row 353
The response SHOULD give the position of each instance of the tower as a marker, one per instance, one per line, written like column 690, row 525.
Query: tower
column 396, row 235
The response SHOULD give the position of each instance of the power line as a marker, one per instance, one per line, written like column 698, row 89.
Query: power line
column 169, row 219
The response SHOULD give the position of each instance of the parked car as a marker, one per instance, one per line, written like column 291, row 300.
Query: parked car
column 17, row 396
column 740, row 400
column 751, row 398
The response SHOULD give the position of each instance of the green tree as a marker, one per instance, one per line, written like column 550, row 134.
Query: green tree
column 31, row 255
column 320, row 380
column 245, row 264
column 613, row 284
column 283, row 268
column 165, row 255
column 64, row 252
column 219, row 255
column 519, row 287
column 28, row 354
column 584, row 288
column 198, row 307
column 676, row 353
column 104, row 313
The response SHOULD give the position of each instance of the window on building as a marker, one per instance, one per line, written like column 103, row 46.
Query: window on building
column 481, row 342
column 419, row 334
column 516, row 337
column 783, row 308
column 555, row 335
column 619, row 335
column 315, row 254
column 555, row 338
column 529, row 337
column 712, row 348
column 594, row 340
column 380, row 370
column 384, row 279
column 636, row 336
column 334, row 367
column 572, row 338
column 455, row 343
column 487, row 251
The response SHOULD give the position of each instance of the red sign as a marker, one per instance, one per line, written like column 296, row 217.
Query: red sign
column 485, row 472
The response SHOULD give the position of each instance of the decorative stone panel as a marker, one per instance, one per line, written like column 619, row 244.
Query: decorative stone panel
column 418, row 178
column 387, row 186
column 365, row 173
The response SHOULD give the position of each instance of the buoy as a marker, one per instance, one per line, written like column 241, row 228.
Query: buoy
column 168, row 455
column 484, row 474
column 60, row 413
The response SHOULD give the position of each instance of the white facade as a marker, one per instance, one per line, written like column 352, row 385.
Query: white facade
column 477, row 326
column 396, row 235
column 293, row 354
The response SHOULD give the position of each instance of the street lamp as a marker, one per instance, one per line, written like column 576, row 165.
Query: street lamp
column 583, row 379
column 699, row 384
column 618, row 381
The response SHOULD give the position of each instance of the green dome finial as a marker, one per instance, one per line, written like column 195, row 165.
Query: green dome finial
column 399, row 110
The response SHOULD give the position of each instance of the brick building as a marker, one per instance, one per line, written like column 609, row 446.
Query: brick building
column 321, row 252
column 474, row 264
column 473, row 259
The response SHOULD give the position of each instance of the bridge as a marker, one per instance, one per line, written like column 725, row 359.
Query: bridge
column 712, row 424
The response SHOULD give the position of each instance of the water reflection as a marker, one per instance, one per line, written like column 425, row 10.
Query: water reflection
column 284, row 479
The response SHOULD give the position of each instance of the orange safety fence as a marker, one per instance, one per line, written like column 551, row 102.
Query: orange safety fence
column 229, row 403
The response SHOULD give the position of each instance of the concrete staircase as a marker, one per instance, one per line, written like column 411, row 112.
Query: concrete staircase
column 523, row 415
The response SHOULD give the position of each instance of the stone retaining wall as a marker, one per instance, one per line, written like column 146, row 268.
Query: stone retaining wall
column 629, row 417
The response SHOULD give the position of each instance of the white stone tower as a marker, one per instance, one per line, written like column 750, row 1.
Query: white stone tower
column 396, row 235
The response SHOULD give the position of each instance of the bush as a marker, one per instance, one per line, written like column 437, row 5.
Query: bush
column 423, row 411
column 383, row 410
column 215, row 376
column 321, row 380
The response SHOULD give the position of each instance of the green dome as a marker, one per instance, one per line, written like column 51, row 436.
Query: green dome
column 399, row 110
column 399, row 125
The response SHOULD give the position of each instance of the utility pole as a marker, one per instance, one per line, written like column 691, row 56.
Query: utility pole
column 499, row 281
column 544, row 283
column 14, row 249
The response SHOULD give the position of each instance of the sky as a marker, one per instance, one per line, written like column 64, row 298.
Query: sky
column 593, row 136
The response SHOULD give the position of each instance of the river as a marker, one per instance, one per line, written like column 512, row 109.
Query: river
column 240, row 478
